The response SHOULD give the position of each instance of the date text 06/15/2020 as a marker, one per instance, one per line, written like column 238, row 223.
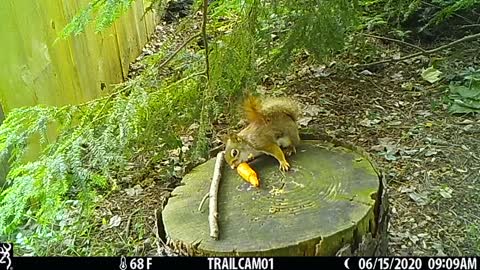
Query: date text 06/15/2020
column 437, row 263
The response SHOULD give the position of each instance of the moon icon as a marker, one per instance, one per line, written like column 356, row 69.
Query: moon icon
column 346, row 263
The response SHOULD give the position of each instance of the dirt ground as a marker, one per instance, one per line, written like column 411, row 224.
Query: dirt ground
column 430, row 158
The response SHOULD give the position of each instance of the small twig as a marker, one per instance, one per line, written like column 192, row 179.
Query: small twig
column 121, row 90
column 107, row 97
column 178, row 50
column 395, row 40
column 99, row 114
column 204, row 34
column 475, row 157
column 213, row 214
column 186, row 78
column 203, row 201
column 453, row 43
column 127, row 228
column 470, row 25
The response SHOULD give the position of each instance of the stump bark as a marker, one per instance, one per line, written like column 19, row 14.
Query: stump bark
column 333, row 201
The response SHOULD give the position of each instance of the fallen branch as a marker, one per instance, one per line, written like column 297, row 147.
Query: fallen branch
column 470, row 25
column 395, row 40
column 213, row 214
column 453, row 43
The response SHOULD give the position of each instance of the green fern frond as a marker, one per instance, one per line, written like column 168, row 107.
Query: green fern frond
column 110, row 12
column 449, row 10
column 103, row 12
column 78, row 24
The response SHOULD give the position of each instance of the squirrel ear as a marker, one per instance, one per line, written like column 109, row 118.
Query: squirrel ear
column 233, row 137
column 224, row 138
column 228, row 137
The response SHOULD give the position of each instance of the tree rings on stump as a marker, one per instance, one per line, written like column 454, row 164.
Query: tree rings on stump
column 329, row 203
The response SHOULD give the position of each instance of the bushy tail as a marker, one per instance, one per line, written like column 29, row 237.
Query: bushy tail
column 260, row 110
column 252, row 107
column 281, row 105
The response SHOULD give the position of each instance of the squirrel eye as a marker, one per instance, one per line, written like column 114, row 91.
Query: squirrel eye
column 234, row 152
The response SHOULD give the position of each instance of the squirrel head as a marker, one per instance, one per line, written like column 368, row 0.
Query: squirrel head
column 237, row 151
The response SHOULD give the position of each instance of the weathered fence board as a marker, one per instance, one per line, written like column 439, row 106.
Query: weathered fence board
column 37, row 70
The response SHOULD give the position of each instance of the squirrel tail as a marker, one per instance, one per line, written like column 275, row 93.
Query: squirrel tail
column 281, row 105
column 253, row 109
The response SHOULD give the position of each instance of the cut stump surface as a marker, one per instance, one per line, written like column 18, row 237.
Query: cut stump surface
column 327, row 201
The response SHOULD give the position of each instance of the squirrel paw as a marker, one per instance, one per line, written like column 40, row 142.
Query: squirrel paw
column 290, row 151
column 284, row 166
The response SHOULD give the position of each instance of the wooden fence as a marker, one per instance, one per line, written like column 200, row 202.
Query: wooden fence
column 35, row 70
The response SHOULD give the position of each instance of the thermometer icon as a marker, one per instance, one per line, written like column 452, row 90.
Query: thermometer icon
column 123, row 263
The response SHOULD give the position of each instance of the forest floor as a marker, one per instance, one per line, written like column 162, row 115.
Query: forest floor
column 430, row 158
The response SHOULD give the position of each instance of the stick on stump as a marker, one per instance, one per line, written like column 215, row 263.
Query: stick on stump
column 213, row 195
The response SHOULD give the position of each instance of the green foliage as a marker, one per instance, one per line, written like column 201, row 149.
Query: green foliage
column 401, row 10
column 474, row 234
column 104, row 12
column 83, row 160
column 233, row 60
column 85, row 147
column 431, row 74
column 257, row 38
column 92, row 143
column 448, row 9
column 317, row 28
column 268, row 36
column 422, row 14
column 465, row 94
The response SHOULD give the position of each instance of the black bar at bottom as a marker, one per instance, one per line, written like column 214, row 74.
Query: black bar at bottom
column 244, row 263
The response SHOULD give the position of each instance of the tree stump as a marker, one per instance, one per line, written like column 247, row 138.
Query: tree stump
column 331, row 202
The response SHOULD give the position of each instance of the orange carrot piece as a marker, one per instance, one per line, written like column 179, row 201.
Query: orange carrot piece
column 248, row 174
